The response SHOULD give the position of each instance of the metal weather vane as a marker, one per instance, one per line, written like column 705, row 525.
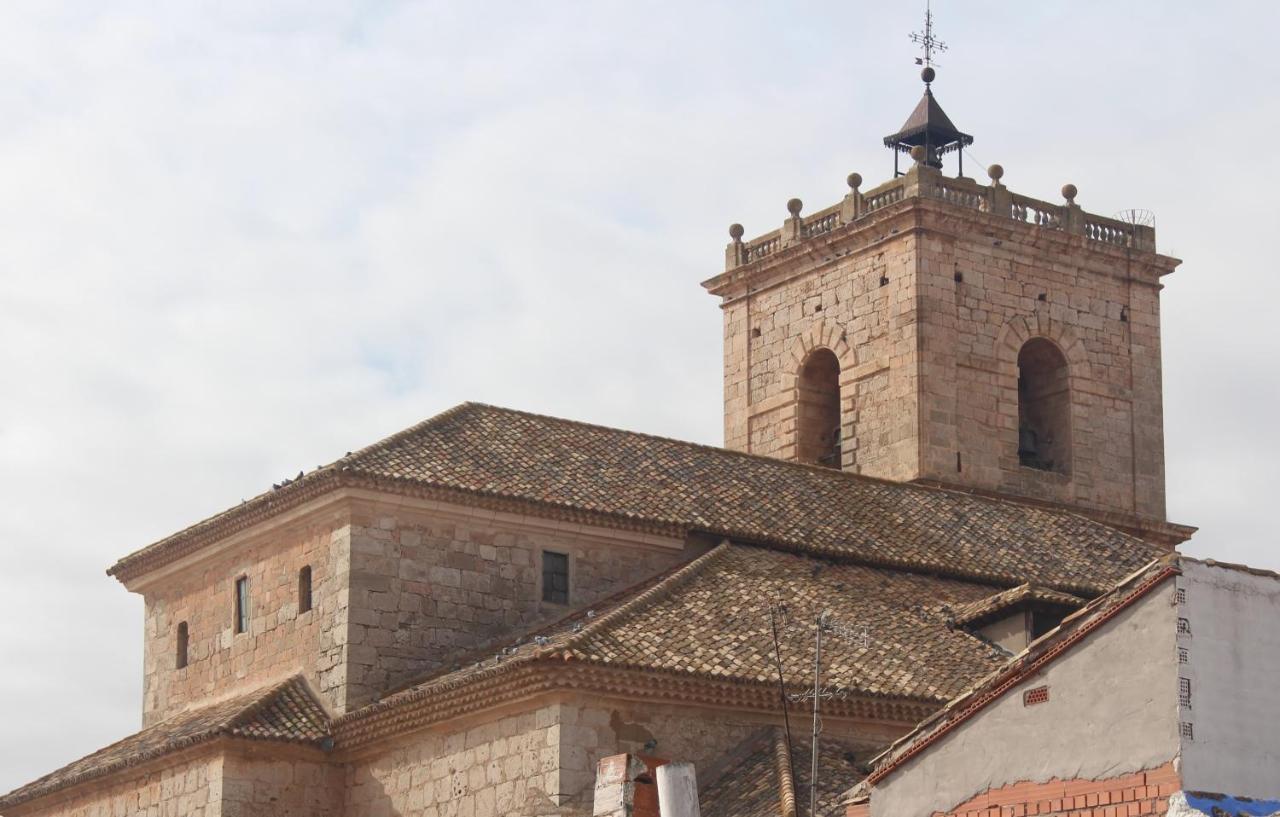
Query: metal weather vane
column 927, row 42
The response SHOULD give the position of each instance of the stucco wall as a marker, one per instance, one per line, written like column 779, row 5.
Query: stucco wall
column 429, row 579
column 1112, row 710
column 188, row 788
column 1233, row 663
column 280, row 641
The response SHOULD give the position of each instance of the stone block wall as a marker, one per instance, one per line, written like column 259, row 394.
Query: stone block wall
column 926, row 305
column 280, row 641
column 862, row 306
column 430, row 580
column 184, row 788
column 267, row 784
column 988, row 285
column 505, row 765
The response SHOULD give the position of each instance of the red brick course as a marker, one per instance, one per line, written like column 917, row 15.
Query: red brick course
column 1132, row 795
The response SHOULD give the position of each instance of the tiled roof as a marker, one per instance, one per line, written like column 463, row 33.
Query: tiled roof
column 761, row 781
column 1016, row 597
column 283, row 712
column 537, row 464
column 1073, row 629
column 710, row 619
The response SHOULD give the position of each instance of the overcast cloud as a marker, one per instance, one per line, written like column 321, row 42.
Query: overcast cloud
column 242, row 238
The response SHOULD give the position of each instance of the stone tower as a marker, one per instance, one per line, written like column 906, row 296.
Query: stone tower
column 940, row 330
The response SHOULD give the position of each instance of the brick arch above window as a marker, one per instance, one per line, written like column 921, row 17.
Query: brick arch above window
column 820, row 335
column 1015, row 334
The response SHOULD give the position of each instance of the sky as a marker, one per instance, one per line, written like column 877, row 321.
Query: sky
column 238, row 239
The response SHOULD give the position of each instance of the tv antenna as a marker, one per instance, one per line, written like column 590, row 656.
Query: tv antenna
column 823, row 624
column 925, row 39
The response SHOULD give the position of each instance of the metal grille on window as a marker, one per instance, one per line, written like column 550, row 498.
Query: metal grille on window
column 1184, row 692
column 555, row 577
column 1186, row 730
column 1184, row 626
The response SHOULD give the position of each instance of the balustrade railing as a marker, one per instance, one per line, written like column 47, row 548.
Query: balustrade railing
column 994, row 199
column 1109, row 231
column 766, row 245
column 1034, row 211
column 974, row 199
column 883, row 198
column 822, row 222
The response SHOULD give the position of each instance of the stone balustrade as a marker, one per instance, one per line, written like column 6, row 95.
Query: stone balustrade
column 927, row 182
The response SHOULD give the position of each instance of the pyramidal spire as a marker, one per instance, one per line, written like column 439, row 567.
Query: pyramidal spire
column 928, row 126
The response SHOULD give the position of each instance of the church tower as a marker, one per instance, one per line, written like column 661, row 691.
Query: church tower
column 937, row 329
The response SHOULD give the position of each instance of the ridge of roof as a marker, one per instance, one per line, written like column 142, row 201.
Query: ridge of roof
column 284, row 712
column 475, row 475
column 1073, row 629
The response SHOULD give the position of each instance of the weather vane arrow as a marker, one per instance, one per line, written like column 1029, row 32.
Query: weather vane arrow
column 927, row 42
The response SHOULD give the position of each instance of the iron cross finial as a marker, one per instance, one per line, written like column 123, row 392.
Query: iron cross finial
column 927, row 42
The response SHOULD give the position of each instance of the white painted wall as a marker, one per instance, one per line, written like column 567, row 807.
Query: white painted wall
column 1112, row 710
column 1234, row 668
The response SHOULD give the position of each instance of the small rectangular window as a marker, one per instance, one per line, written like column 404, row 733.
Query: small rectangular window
column 181, row 660
column 1184, row 692
column 1184, row 626
column 242, row 604
column 304, row 589
column 1187, row 730
column 555, row 577
column 1184, row 655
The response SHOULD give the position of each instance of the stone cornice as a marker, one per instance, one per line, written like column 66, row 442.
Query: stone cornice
column 329, row 480
column 907, row 216
column 505, row 684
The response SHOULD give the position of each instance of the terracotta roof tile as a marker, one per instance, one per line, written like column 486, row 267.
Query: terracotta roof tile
column 761, row 782
column 551, row 466
column 283, row 712
column 1016, row 597
column 710, row 619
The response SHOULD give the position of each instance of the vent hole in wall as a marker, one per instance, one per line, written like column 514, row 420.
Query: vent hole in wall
column 1035, row 696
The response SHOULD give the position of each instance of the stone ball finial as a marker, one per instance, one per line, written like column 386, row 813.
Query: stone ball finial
column 928, row 74
column 918, row 153
column 793, row 207
column 736, row 231
column 1069, row 192
column 854, row 180
column 995, row 173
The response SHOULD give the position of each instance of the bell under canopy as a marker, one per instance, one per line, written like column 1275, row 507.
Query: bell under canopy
column 930, row 127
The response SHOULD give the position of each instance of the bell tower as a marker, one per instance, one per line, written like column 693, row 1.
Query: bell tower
column 937, row 329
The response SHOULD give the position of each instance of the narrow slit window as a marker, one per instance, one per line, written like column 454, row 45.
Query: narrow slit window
column 304, row 589
column 242, row 604
column 181, row 660
column 555, row 577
